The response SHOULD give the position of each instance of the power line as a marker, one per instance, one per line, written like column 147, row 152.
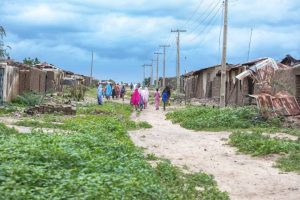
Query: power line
column 193, row 14
column 215, row 6
column 212, row 19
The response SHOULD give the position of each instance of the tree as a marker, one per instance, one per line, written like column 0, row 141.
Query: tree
column 31, row 62
column 146, row 82
column 3, row 48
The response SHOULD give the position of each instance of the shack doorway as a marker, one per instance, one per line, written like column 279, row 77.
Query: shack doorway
column 1, row 85
column 298, row 88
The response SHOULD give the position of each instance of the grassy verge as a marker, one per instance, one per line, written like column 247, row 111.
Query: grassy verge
column 227, row 119
column 257, row 144
column 248, row 130
column 97, row 161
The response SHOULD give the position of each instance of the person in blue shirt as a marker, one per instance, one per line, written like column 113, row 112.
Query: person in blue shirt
column 108, row 91
column 166, row 94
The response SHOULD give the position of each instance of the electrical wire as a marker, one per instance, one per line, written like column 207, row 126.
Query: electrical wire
column 193, row 14
column 202, row 20
column 212, row 19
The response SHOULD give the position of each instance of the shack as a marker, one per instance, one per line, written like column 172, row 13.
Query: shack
column 205, row 84
column 54, row 77
column 31, row 79
column 9, row 82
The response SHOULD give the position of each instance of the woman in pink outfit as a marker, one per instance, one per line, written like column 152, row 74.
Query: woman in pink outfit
column 157, row 99
column 135, row 98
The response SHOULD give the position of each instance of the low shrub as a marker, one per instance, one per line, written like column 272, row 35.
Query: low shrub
column 29, row 99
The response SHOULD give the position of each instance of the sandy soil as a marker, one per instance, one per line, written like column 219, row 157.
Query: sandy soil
column 242, row 176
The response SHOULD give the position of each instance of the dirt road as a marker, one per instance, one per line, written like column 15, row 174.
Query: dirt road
column 242, row 176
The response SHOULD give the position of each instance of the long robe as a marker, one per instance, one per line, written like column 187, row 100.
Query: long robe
column 108, row 90
column 135, row 99
column 100, row 94
column 157, row 99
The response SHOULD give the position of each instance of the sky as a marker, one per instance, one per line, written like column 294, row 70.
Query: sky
column 125, row 34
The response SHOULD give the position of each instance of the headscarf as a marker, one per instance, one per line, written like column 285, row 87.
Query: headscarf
column 146, row 93
column 135, row 99
column 108, row 90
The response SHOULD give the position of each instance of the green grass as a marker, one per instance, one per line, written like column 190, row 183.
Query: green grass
column 248, row 130
column 97, row 161
column 28, row 99
column 8, row 109
column 258, row 144
column 215, row 119
column 91, row 92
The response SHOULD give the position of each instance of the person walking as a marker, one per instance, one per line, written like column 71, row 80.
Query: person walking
column 135, row 98
column 118, row 91
column 166, row 94
column 123, row 91
column 145, row 94
column 108, row 91
column 157, row 99
column 100, row 94
column 113, row 92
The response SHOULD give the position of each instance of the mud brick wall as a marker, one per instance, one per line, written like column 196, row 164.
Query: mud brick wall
column 10, row 83
column 32, row 80
column 24, row 81
column 50, row 81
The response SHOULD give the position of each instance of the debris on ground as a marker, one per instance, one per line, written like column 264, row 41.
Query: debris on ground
column 52, row 108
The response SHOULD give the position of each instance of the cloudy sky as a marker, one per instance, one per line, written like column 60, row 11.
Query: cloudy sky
column 124, row 34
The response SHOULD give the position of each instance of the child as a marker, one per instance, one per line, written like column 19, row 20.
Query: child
column 166, row 96
column 157, row 99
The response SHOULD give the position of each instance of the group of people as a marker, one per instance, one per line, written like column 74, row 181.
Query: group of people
column 114, row 91
column 140, row 97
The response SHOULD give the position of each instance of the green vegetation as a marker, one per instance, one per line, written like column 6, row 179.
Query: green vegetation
column 31, row 62
column 143, row 125
column 227, row 119
column 28, row 99
column 257, row 144
column 8, row 109
column 96, row 161
column 91, row 92
column 248, row 129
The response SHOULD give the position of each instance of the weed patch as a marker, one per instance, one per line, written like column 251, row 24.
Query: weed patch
column 257, row 144
column 97, row 161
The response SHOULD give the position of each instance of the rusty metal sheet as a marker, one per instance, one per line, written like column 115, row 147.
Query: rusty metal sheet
column 282, row 104
column 265, row 104
column 279, row 107
column 291, row 105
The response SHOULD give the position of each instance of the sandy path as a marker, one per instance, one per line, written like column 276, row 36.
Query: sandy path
column 242, row 176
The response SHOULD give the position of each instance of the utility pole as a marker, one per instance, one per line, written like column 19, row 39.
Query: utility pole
column 152, row 79
column 178, row 57
column 249, row 48
column 92, row 63
column 145, row 65
column 144, row 77
column 164, row 69
column 224, row 57
column 157, row 62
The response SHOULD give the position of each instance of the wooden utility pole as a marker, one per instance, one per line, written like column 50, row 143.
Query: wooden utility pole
column 145, row 65
column 224, row 58
column 144, row 76
column 92, row 63
column 178, row 57
column 157, row 62
column 152, row 73
column 164, row 69
column 249, row 48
